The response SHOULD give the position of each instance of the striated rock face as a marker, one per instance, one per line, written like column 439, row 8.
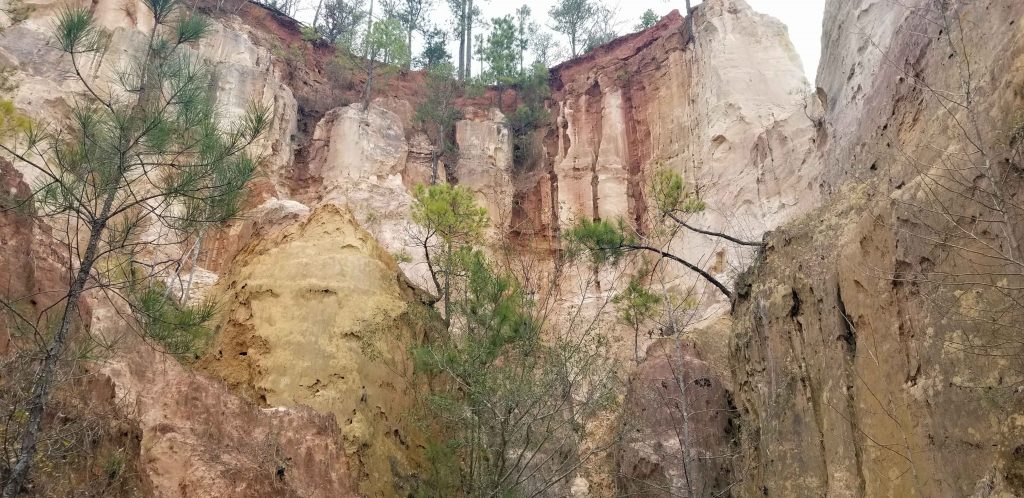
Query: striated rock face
column 32, row 268
column 876, row 351
column 485, row 165
column 335, row 339
column 45, row 87
column 358, row 160
column 364, row 162
column 732, row 113
column 200, row 439
column 872, row 352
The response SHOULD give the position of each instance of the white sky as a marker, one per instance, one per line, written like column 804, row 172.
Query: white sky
column 803, row 17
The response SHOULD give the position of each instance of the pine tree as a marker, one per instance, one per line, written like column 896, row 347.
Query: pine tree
column 150, row 153
column 648, row 19
column 452, row 222
column 573, row 18
column 502, row 54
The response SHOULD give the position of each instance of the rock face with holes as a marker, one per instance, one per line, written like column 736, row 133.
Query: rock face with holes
column 335, row 340
column 156, row 427
column 874, row 350
column 198, row 438
column 870, row 351
column 676, row 420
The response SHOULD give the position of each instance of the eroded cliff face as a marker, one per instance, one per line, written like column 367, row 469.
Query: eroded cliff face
column 875, row 350
column 335, row 339
column 677, row 420
column 731, row 112
column 315, row 309
column 136, row 421
column 848, row 370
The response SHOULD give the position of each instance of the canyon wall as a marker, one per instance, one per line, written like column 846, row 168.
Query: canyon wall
column 876, row 350
column 732, row 112
column 644, row 102
column 842, row 368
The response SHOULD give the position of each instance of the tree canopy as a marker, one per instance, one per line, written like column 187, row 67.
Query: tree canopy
column 648, row 19
column 151, row 154
column 573, row 18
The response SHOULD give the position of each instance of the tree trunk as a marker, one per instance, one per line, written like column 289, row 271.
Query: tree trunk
column 192, row 269
column 447, row 284
column 684, row 412
column 434, row 159
column 369, row 60
column 408, row 62
column 44, row 381
column 469, row 39
column 462, row 41
column 316, row 16
column 521, row 52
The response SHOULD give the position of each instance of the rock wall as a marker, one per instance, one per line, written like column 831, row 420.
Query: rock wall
column 137, row 422
column 335, row 340
column 874, row 351
column 45, row 88
column 676, row 419
column 199, row 438
column 305, row 291
column 865, row 359
column 731, row 111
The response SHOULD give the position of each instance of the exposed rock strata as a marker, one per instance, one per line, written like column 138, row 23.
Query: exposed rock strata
column 867, row 358
column 200, row 439
column 174, row 433
column 335, row 339
column 732, row 113
column 847, row 379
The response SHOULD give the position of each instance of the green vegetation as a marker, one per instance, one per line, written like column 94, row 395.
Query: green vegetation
column 294, row 53
column 636, row 305
column 602, row 30
column 385, row 43
column 309, row 34
column 409, row 15
column 517, row 406
column 607, row 242
column 435, row 51
column 514, row 403
column 12, row 122
column 669, row 193
column 502, row 55
column 453, row 223
column 157, row 135
column 384, row 53
column 525, row 30
column 573, row 18
column 341, row 20
column 648, row 19
column 530, row 114
column 180, row 329
column 438, row 114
